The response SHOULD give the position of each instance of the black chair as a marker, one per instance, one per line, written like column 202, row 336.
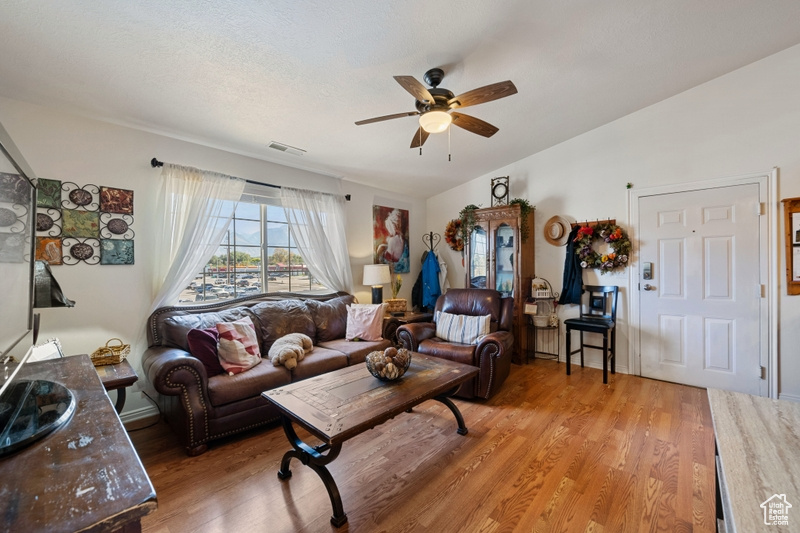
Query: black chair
column 598, row 315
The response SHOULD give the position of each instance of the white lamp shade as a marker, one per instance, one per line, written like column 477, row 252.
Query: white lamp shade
column 435, row 121
column 375, row 275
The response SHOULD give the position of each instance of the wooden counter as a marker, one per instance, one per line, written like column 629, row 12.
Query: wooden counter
column 758, row 457
column 85, row 475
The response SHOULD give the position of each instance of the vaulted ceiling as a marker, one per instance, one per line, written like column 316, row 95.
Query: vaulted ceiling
column 239, row 74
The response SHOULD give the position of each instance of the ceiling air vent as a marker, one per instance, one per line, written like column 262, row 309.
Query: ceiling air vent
column 286, row 148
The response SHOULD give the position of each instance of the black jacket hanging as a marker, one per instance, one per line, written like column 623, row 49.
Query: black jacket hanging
column 416, row 293
column 572, row 286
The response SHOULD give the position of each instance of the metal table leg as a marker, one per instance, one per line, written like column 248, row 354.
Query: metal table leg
column 312, row 457
column 445, row 399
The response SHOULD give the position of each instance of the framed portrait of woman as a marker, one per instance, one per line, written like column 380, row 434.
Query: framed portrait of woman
column 390, row 237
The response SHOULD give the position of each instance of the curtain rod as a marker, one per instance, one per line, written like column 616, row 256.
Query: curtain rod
column 156, row 163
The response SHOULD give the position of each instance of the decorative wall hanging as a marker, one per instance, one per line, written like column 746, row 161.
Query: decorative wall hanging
column 48, row 249
column 80, row 224
column 116, row 201
column 452, row 235
column 500, row 191
column 390, row 237
column 114, row 252
column 49, row 222
column 48, row 193
column 607, row 232
column 73, row 196
column 76, row 250
column 83, row 224
column 113, row 226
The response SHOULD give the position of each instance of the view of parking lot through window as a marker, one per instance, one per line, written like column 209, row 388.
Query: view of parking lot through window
column 256, row 255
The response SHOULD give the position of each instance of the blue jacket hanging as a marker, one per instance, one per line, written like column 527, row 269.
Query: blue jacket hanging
column 430, row 281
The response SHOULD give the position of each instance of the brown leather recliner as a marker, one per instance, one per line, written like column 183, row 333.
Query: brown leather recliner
column 492, row 354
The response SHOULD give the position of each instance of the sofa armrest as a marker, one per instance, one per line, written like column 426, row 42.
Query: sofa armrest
column 495, row 343
column 173, row 372
column 171, row 369
column 410, row 335
column 493, row 357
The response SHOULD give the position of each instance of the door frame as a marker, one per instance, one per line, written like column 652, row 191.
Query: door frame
column 768, row 232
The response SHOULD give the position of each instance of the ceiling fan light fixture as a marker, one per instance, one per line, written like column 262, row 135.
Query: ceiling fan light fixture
column 435, row 121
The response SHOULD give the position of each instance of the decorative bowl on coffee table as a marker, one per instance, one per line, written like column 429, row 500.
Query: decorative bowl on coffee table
column 389, row 364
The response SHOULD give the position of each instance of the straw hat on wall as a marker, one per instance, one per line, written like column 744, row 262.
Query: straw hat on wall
column 556, row 230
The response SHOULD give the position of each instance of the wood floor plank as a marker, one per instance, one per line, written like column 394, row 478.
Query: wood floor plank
column 549, row 452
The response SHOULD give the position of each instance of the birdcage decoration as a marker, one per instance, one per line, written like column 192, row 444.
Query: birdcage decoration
column 542, row 294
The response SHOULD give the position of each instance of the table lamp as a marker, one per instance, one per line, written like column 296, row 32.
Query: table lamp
column 376, row 276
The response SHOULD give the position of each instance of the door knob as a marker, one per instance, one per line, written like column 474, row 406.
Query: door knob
column 649, row 287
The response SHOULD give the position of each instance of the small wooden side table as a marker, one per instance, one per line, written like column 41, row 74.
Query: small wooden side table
column 391, row 323
column 117, row 377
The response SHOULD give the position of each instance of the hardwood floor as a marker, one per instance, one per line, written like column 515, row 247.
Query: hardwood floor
column 549, row 453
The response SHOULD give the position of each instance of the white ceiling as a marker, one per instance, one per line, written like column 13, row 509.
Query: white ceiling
column 239, row 74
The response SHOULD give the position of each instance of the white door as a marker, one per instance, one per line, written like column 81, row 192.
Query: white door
column 700, row 314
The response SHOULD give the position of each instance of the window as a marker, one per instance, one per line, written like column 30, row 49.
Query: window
column 256, row 255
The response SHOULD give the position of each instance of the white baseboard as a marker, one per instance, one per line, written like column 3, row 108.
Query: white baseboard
column 138, row 414
column 790, row 397
column 576, row 362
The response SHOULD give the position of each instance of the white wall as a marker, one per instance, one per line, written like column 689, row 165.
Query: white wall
column 359, row 236
column 745, row 122
column 113, row 301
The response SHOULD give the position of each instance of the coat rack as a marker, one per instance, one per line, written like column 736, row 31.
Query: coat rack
column 591, row 224
column 431, row 240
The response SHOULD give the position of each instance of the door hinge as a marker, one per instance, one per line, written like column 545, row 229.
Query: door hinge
column 762, row 289
column 763, row 372
column 761, row 208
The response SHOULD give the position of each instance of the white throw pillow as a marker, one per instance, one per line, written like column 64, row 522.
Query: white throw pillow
column 463, row 329
column 364, row 322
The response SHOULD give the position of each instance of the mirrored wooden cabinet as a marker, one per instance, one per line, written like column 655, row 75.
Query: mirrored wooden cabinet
column 497, row 258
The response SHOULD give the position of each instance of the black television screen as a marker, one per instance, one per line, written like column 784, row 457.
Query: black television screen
column 17, row 242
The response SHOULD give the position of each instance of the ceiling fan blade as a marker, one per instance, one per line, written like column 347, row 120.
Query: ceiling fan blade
column 386, row 117
column 417, row 90
column 475, row 125
column 483, row 94
column 419, row 138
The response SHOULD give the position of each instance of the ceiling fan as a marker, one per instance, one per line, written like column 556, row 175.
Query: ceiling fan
column 435, row 106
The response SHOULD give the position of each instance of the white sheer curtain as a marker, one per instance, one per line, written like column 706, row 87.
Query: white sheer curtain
column 197, row 208
column 316, row 221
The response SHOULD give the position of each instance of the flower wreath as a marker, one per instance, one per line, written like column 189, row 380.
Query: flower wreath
column 452, row 235
column 610, row 233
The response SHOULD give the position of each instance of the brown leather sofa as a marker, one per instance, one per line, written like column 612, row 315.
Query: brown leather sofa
column 201, row 408
column 492, row 354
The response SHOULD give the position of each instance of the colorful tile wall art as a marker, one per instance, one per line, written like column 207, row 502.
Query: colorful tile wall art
column 83, row 224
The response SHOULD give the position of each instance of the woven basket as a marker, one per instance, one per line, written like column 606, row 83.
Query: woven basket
column 110, row 354
column 396, row 305
column 541, row 321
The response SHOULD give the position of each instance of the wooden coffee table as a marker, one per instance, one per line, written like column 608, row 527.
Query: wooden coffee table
column 339, row 405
